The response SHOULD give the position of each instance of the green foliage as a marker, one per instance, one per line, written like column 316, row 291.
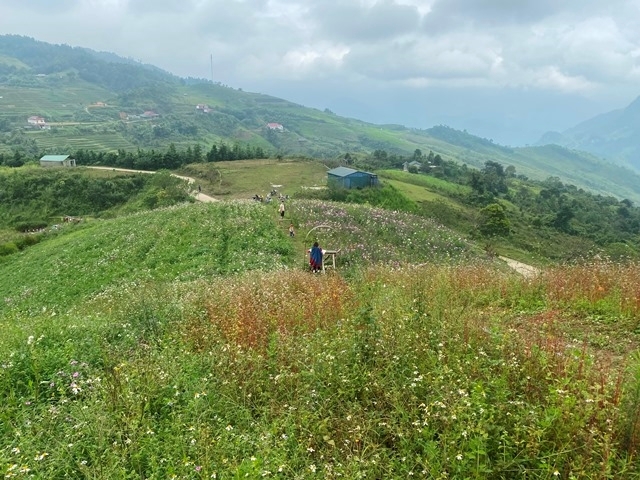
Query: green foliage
column 493, row 221
column 31, row 225
column 396, row 373
column 35, row 197
column 385, row 196
column 8, row 248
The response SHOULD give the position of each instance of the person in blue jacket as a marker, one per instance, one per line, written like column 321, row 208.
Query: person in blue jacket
column 315, row 258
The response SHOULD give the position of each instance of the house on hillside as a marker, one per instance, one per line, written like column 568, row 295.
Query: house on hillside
column 57, row 161
column 350, row 178
column 201, row 107
column 36, row 121
column 407, row 166
column 150, row 114
column 275, row 126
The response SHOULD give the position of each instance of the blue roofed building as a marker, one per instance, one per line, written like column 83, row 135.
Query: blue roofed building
column 350, row 178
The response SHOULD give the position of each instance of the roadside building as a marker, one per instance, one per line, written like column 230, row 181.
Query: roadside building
column 57, row 161
column 36, row 121
column 414, row 165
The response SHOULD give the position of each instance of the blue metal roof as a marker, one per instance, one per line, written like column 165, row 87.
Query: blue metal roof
column 346, row 171
column 54, row 158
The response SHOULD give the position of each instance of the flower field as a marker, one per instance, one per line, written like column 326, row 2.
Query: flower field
column 171, row 366
column 368, row 235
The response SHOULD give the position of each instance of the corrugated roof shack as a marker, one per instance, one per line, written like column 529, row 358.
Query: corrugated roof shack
column 350, row 178
column 57, row 161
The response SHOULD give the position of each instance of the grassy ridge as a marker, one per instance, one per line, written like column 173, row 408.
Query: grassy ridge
column 180, row 243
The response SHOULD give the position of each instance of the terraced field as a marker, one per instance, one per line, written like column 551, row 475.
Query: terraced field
column 95, row 141
column 49, row 101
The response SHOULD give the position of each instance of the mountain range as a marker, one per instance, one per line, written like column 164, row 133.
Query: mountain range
column 614, row 135
column 100, row 101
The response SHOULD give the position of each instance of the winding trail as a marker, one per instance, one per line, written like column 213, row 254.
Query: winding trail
column 523, row 269
column 199, row 196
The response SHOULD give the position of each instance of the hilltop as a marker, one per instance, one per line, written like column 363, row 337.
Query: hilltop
column 102, row 102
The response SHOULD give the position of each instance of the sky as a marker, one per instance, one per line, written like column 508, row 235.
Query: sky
column 507, row 70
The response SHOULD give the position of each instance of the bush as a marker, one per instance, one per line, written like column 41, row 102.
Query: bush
column 8, row 248
column 31, row 225
column 27, row 240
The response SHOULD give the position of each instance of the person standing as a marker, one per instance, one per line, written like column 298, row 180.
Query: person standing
column 281, row 209
column 315, row 258
column 292, row 233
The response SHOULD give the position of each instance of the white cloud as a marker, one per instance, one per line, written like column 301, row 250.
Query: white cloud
column 584, row 47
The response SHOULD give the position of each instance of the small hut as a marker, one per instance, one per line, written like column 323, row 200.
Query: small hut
column 57, row 161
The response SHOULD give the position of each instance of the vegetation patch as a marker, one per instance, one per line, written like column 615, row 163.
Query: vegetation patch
column 411, row 372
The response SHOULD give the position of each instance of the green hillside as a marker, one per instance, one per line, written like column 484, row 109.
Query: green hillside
column 102, row 103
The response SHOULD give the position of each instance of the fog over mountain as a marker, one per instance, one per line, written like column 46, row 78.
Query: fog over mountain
column 508, row 71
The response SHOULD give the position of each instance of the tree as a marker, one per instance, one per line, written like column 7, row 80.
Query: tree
column 494, row 221
column 563, row 217
column 494, row 178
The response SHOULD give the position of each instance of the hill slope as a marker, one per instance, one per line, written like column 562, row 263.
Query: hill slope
column 102, row 102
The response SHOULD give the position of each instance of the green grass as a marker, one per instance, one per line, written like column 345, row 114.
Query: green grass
column 179, row 243
column 427, row 181
column 395, row 373
column 245, row 178
column 190, row 342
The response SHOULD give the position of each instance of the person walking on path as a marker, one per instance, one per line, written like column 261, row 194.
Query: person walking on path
column 281, row 209
column 292, row 233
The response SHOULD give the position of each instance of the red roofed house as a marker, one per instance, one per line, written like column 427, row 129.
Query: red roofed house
column 275, row 126
column 36, row 121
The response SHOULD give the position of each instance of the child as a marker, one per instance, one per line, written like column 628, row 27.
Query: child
column 291, row 232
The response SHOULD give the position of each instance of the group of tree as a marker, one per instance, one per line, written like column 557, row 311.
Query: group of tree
column 507, row 204
column 140, row 159
column 37, row 197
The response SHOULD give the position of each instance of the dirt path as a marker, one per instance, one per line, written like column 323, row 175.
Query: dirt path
column 522, row 268
column 201, row 197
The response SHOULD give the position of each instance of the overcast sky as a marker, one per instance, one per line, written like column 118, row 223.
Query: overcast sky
column 508, row 70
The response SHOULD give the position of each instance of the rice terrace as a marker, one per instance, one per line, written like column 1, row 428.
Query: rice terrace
column 166, row 338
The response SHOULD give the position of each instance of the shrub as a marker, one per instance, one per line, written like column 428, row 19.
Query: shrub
column 8, row 248
column 27, row 240
column 31, row 225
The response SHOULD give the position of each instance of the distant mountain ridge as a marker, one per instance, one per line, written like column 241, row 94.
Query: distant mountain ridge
column 613, row 135
column 100, row 101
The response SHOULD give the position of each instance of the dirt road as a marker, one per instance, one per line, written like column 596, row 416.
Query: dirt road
column 522, row 268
